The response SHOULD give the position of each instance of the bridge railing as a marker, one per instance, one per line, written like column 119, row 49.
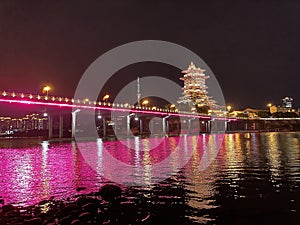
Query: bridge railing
column 86, row 103
column 92, row 104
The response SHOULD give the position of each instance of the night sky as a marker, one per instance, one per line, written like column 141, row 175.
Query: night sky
column 252, row 47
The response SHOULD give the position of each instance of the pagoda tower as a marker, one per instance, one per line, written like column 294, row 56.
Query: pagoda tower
column 194, row 90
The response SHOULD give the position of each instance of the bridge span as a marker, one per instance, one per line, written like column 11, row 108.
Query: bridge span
column 125, row 119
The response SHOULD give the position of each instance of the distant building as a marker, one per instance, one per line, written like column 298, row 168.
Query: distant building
column 194, row 90
column 4, row 124
column 285, row 107
column 280, row 109
column 24, row 124
column 287, row 102
column 249, row 112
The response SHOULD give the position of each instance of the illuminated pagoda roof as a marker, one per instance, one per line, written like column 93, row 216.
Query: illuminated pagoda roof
column 194, row 89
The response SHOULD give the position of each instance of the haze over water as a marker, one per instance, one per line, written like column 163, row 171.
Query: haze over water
column 254, row 176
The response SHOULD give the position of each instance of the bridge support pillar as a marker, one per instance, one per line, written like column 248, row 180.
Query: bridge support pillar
column 61, row 126
column 151, row 126
column 141, row 126
column 190, row 125
column 208, row 126
column 104, row 127
column 165, row 126
column 50, row 126
column 74, row 122
column 128, row 125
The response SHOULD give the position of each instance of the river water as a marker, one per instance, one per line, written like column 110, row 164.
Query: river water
column 251, row 178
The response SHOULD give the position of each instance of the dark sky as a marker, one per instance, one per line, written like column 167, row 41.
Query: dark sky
column 251, row 46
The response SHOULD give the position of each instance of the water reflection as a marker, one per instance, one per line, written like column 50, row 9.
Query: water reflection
column 273, row 154
column 251, row 175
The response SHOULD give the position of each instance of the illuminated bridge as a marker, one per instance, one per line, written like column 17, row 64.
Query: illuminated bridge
column 142, row 115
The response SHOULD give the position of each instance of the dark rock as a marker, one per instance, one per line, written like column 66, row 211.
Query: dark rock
column 36, row 220
column 90, row 207
column 7, row 208
column 75, row 212
column 16, row 219
column 11, row 213
column 69, row 208
column 82, row 200
column 76, row 222
column 85, row 216
column 110, row 192
column 58, row 214
column 66, row 220
column 43, row 202
column 80, row 188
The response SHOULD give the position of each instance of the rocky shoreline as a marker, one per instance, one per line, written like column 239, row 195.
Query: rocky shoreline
column 107, row 206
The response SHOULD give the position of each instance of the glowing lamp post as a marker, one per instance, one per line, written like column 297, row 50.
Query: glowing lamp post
column 145, row 102
column 46, row 90
column 228, row 109
column 105, row 98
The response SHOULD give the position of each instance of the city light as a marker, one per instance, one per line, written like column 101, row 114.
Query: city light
column 105, row 97
column 269, row 105
column 46, row 89
column 29, row 99
column 68, row 105
column 145, row 102
column 228, row 108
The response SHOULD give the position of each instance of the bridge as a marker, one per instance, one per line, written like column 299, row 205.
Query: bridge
column 140, row 119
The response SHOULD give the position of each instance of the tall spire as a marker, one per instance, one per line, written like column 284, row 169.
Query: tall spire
column 138, row 92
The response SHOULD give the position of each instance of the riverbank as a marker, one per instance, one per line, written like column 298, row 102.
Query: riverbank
column 107, row 206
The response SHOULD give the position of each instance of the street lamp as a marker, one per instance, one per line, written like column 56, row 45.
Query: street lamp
column 46, row 89
column 228, row 108
column 105, row 97
column 145, row 102
column 269, row 105
column 172, row 107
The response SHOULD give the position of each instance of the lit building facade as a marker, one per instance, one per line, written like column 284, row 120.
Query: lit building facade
column 280, row 109
column 287, row 102
column 194, row 89
column 285, row 107
column 24, row 124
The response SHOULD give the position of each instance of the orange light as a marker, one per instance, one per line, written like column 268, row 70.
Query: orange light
column 105, row 97
column 145, row 102
column 46, row 89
